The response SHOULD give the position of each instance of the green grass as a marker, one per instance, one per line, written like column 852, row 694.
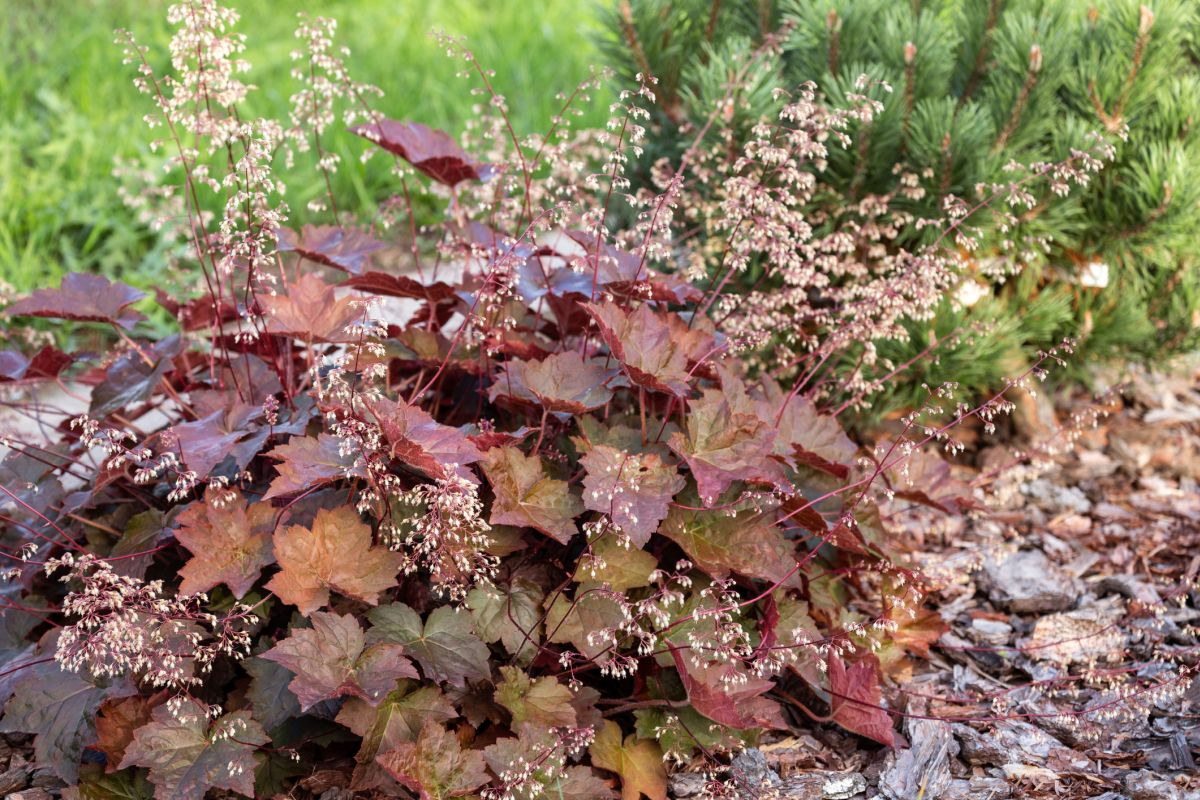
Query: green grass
column 68, row 108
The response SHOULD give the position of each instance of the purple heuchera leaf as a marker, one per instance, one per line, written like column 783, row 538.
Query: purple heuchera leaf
column 423, row 444
column 634, row 489
column 347, row 249
column 562, row 382
column 331, row 660
column 643, row 343
column 431, row 151
column 84, row 298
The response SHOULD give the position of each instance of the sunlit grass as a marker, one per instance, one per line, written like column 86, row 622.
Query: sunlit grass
column 68, row 109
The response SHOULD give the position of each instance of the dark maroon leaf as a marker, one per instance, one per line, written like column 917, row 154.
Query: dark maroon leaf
column 399, row 286
column 46, row 364
column 84, row 298
column 431, row 151
column 347, row 249
column 131, row 379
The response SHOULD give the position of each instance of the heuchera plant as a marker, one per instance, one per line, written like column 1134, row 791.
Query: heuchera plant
column 506, row 503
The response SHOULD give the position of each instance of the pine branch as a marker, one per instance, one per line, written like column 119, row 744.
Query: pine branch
column 1014, row 119
column 981, row 55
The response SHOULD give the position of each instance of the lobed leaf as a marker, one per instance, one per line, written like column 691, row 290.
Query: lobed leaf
column 187, row 756
column 446, row 645
column 331, row 659
column 525, row 496
column 336, row 554
column 431, row 151
column 83, row 297
column 435, row 765
column 230, row 542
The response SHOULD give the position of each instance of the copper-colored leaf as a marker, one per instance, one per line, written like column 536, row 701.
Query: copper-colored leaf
column 85, row 298
column 525, row 496
column 336, row 554
column 561, row 382
column 638, row 762
column 423, row 444
column 431, row 151
column 643, row 343
column 331, row 659
column 435, row 765
column 855, row 700
column 116, row 722
column 634, row 489
column 306, row 462
column 309, row 309
column 230, row 542
column 335, row 246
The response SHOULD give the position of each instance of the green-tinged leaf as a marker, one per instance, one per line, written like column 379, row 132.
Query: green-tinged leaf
column 60, row 708
column 187, row 756
column 275, row 772
column 638, row 762
column 336, row 554
column 721, row 543
column 525, row 496
column 541, row 702
column 588, row 622
column 620, row 567
column 723, row 445
column 133, row 551
column 435, row 765
column 633, row 489
column 330, row 660
column 683, row 731
column 397, row 719
column 95, row 784
column 273, row 702
column 446, row 646
column 509, row 614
